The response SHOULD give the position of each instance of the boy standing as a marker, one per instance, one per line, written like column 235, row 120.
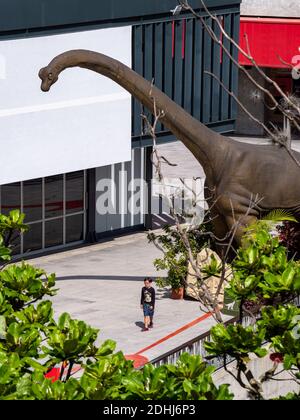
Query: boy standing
column 148, row 303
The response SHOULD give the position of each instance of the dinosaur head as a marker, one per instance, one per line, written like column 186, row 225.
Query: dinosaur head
column 48, row 76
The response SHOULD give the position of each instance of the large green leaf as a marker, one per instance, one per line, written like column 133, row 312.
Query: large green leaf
column 279, row 215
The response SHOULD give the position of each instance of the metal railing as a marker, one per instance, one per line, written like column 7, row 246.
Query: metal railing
column 196, row 346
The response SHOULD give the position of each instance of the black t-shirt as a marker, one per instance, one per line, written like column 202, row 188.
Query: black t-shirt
column 148, row 296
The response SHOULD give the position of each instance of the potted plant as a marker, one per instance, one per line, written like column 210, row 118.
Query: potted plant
column 175, row 256
column 177, row 270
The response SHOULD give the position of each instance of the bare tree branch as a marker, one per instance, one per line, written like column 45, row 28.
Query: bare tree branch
column 275, row 138
column 276, row 105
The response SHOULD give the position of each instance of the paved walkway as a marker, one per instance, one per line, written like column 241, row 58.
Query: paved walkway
column 101, row 285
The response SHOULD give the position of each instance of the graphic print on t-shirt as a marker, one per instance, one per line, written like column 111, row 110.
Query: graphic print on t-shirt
column 147, row 297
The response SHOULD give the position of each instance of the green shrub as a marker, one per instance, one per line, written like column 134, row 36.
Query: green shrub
column 32, row 342
column 175, row 259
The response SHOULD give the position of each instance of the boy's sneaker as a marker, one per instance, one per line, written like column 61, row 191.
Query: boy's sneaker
column 145, row 329
column 151, row 325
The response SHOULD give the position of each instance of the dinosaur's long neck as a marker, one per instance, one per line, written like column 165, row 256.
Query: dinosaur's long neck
column 209, row 148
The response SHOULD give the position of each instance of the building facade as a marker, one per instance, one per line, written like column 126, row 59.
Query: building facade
column 68, row 154
column 273, row 31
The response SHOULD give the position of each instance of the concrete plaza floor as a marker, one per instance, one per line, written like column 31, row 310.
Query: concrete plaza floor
column 101, row 285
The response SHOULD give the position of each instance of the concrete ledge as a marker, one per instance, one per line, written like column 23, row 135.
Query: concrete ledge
column 271, row 389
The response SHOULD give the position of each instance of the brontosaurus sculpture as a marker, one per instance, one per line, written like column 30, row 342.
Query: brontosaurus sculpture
column 235, row 172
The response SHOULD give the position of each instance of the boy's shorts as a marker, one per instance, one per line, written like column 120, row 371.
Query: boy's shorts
column 147, row 310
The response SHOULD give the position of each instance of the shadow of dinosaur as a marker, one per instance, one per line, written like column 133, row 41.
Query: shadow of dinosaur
column 235, row 172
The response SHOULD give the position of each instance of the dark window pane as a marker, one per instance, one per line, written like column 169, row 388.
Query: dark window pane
column 32, row 196
column 16, row 245
column 33, row 238
column 74, row 228
column 74, row 192
column 53, row 196
column 53, row 233
column 10, row 197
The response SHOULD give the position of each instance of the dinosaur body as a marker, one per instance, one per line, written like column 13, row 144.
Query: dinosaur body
column 236, row 173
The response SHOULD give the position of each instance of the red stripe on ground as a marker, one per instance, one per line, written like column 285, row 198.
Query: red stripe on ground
column 138, row 360
column 173, row 334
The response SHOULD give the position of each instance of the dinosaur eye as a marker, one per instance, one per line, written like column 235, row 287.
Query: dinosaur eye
column 50, row 76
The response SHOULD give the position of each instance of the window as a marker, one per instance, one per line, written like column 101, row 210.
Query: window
column 54, row 208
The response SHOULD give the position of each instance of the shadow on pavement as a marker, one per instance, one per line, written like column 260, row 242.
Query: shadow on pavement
column 104, row 277
column 163, row 294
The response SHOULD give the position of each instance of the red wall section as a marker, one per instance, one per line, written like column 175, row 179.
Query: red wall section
column 270, row 38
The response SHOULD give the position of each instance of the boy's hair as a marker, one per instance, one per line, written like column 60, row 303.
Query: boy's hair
column 148, row 279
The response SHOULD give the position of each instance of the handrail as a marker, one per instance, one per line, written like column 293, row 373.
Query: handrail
column 179, row 349
column 188, row 345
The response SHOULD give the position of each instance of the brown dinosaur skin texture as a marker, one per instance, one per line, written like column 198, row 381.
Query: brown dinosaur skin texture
column 236, row 173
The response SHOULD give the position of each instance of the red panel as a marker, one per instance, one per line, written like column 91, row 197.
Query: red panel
column 173, row 39
column 270, row 38
column 183, row 39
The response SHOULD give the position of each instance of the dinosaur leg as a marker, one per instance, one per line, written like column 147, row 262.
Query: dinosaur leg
column 219, row 225
column 237, row 225
column 220, row 229
column 225, row 228
column 230, row 215
column 237, row 214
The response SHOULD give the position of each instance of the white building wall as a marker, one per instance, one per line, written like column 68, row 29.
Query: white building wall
column 83, row 122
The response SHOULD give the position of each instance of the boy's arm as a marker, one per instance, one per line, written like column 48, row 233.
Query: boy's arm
column 153, row 298
column 142, row 297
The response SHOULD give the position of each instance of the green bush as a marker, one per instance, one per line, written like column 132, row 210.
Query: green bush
column 262, row 271
column 32, row 342
column 175, row 259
